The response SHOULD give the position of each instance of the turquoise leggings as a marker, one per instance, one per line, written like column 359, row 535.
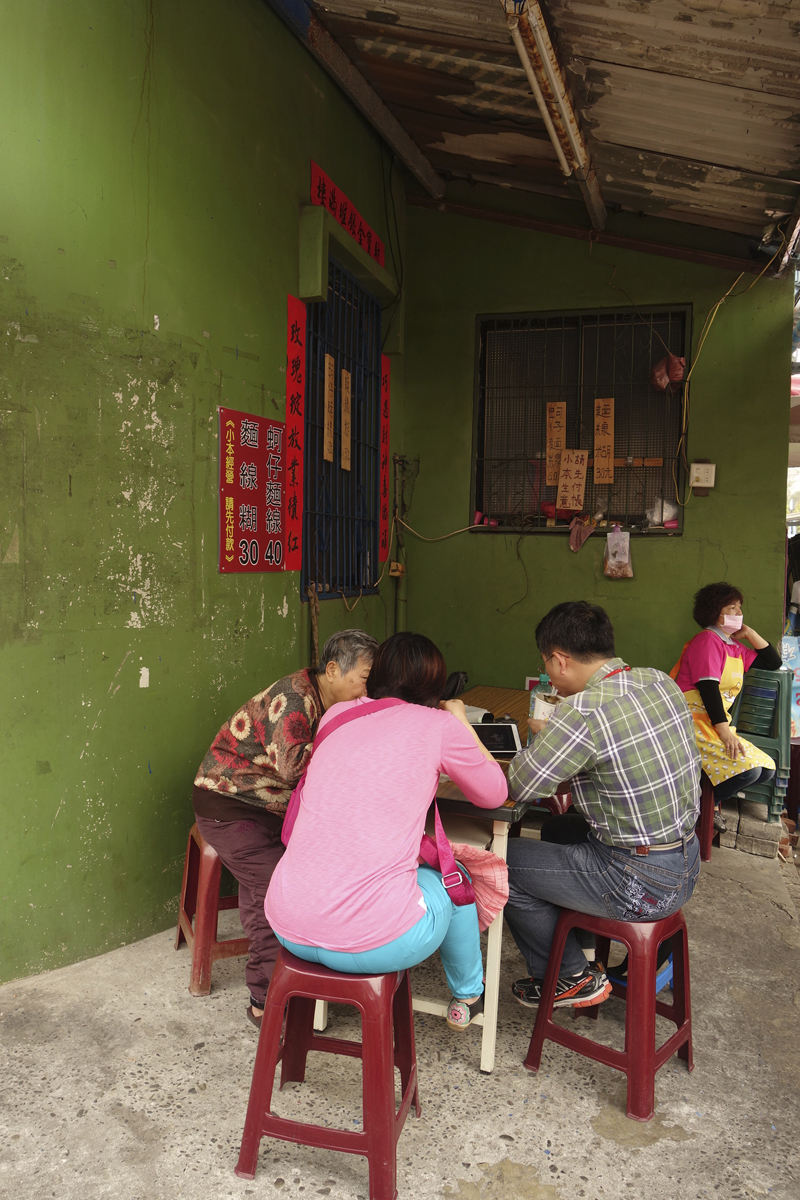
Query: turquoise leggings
column 449, row 928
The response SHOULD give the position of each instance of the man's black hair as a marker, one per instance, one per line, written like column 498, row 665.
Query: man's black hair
column 577, row 628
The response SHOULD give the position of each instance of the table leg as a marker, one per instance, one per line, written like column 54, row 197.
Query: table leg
column 494, row 948
column 321, row 1015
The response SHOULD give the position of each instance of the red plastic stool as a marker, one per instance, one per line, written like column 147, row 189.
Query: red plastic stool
column 705, row 825
column 202, row 871
column 387, row 1031
column 640, row 1060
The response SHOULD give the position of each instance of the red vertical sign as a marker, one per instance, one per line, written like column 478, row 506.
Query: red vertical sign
column 251, row 480
column 295, row 431
column 383, row 526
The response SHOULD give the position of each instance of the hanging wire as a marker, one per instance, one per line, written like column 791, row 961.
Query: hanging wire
column 711, row 316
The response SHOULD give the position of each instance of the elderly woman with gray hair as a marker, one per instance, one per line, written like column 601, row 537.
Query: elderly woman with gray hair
column 244, row 783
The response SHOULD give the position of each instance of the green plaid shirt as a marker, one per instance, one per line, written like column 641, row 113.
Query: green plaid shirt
column 627, row 746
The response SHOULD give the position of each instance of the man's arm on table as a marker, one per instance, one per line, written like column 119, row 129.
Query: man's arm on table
column 562, row 749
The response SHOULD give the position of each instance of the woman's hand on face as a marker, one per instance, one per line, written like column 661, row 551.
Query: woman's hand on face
column 536, row 726
column 733, row 745
column 755, row 639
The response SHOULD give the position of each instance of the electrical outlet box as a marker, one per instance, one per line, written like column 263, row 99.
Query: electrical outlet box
column 702, row 475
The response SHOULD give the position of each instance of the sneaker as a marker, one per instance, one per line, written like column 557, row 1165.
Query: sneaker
column 576, row 991
column 720, row 824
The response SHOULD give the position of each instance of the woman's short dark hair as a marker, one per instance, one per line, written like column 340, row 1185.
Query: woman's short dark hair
column 710, row 601
column 410, row 667
column 577, row 628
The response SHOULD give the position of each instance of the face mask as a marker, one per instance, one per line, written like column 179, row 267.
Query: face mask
column 732, row 624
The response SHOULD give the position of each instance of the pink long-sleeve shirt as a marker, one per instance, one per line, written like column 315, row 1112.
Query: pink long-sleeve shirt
column 348, row 878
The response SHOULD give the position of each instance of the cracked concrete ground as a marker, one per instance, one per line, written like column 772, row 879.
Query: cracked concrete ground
column 116, row 1082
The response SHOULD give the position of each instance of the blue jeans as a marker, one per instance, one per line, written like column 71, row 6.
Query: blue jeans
column 593, row 878
column 449, row 928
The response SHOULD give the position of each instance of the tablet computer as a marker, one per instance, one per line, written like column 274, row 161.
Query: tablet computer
column 500, row 739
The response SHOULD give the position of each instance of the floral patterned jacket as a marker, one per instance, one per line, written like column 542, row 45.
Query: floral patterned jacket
column 260, row 754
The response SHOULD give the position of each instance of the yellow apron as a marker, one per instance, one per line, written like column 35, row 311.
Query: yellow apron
column 715, row 762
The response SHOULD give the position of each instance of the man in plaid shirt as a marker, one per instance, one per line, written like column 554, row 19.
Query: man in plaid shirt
column 624, row 738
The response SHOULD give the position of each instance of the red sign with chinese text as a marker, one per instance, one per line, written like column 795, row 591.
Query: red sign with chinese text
column 383, row 525
column 251, row 461
column 295, row 431
column 325, row 192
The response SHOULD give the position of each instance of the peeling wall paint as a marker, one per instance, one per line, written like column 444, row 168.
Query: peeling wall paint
column 138, row 238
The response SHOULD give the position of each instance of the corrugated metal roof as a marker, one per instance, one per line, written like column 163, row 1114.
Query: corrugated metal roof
column 690, row 108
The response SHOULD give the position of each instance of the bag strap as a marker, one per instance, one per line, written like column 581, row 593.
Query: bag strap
column 439, row 854
column 362, row 710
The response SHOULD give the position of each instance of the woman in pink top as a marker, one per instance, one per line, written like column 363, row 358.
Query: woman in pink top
column 349, row 892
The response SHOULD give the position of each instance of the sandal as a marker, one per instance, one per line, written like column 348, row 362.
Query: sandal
column 251, row 1016
column 460, row 1014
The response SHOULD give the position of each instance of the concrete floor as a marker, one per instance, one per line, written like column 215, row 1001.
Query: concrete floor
column 115, row 1082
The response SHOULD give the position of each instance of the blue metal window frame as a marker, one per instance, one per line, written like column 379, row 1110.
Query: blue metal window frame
column 340, row 514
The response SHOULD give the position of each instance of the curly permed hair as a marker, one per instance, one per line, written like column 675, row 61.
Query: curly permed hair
column 710, row 601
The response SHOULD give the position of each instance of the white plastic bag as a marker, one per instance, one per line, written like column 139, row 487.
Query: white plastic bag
column 617, row 557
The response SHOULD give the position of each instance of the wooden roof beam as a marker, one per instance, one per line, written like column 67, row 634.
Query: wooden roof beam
column 329, row 54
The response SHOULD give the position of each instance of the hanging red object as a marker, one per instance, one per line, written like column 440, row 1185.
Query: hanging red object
column 668, row 370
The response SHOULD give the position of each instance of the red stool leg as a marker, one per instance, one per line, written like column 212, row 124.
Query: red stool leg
column 405, row 1055
column 205, row 930
column 379, row 1106
column 297, row 1039
column 706, row 817
column 681, row 996
column 534, row 1056
column 260, row 1102
column 602, row 949
column 188, row 901
column 640, row 1025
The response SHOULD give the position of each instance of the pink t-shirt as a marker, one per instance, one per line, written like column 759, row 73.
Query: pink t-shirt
column 348, row 878
column 704, row 658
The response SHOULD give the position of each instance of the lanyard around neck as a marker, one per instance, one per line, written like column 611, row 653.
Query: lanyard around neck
column 616, row 671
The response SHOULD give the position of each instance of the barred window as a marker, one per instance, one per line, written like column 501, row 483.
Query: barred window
column 340, row 517
column 527, row 362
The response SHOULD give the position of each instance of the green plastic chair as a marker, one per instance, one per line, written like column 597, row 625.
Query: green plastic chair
column 762, row 713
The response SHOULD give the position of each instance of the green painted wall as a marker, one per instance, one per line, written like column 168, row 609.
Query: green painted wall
column 154, row 158
column 479, row 596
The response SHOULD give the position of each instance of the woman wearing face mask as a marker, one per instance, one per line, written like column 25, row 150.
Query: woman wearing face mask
column 710, row 673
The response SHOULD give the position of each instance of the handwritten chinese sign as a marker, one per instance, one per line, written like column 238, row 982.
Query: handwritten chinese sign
column 383, row 522
column 572, row 479
column 325, row 192
column 330, row 408
column 556, row 435
column 251, row 534
column 604, row 441
column 346, row 434
column 295, row 432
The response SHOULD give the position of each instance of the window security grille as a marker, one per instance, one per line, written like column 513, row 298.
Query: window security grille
column 340, row 517
column 525, row 362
